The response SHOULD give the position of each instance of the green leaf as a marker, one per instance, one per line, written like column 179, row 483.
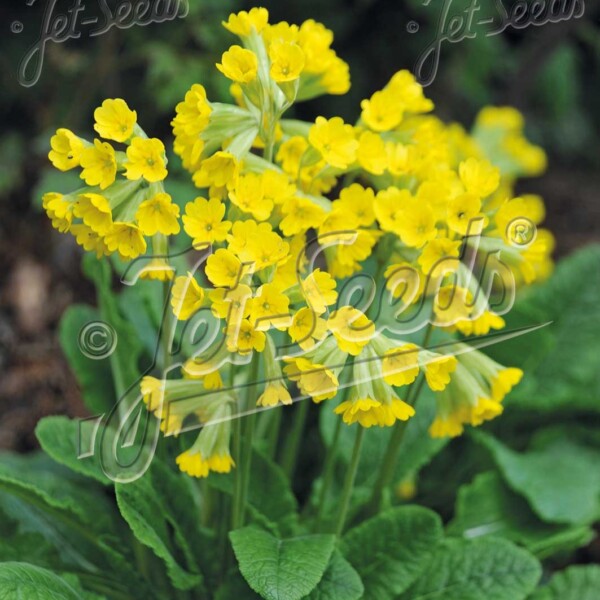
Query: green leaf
column 560, row 361
column 340, row 581
column 561, row 481
column 60, row 439
column 279, row 569
column 270, row 498
column 21, row 581
column 488, row 507
column 37, row 479
column 574, row 583
column 390, row 550
column 70, row 513
column 94, row 376
column 151, row 507
column 483, row 569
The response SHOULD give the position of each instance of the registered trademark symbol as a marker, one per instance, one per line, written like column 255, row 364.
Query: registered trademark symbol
column 412, row 27
column 521, row 232
column 16, row 27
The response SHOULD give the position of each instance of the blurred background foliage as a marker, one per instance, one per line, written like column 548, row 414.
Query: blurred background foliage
column 551, row 73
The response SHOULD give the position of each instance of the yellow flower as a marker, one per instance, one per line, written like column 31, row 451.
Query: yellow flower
column 126, row 239
column 245, row 338
column 437, row 369
column 282, row 32
column 197, row 465
column 95, row 212
column 389, row 205
column 307, row 328
column 152, row 392
column 231, row 304
column 314, row 38
column 158, row 269
column 66, row 150
column 334, row 140
column 464, row 215
column 239, row 65
column 186, row 297
column 265, row 251
column 146, row 158
column 115, row 120
column 398, row 158
column 314, row 380
column 223, row 268
column 244, row 232
column 277, row 187
column 434, row 254
column 193, row 114
column 244, row 22
column 59, row 209
column 368, row 412
column 416, row 225
column 400, row 366
column 269, row 308
column 99, row 164
column 479, row 177
column 319, row 291
column 275, row 393
column 336, row 78
column 287, row 61
column 158, row 215
column 351, row 328
column 404, row 86
column 481, row 324
column 359, row 201
column 372, row 153
column 451, row 305
column 248, row 194
column 383, row 111
column 290, row 154
column 89, row 240
column 514, row 218
column 300, row 214
column 219, row 169
column 203, row 221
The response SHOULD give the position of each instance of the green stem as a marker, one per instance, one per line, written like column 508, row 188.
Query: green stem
column 273, row 433
column 166, row 330
column 349, row 480
column 246, row 457
column 388, row 466
column 237, row 486
column 290, row 453
column 328, row 474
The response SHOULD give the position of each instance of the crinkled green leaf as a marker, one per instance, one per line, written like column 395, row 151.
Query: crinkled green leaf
column 561, row 481
column 279, row 569
column 486, row 506
column 390, row 550
column 22, row 581
column 151, row 512
column 483, row 569
column 60, row 439
column 340, row 581
column 560, row 361
column 574, row 583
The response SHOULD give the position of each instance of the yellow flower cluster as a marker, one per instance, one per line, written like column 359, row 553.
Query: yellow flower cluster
column 290, row 209
column 123, row 201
